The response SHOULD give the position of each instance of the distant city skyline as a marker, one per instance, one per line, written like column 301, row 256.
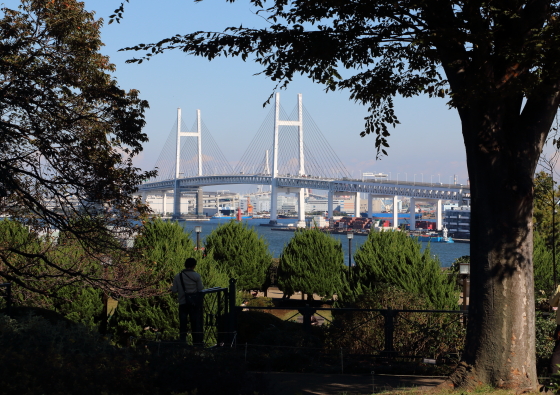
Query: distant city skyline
column 230, row 96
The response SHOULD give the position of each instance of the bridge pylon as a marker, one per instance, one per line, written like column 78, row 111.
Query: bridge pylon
column 301, row 160
column 177, row 186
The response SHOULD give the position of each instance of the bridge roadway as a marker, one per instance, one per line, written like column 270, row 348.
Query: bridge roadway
column 416, row 191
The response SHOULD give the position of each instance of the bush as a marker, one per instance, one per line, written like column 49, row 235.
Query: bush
column 39, row 357
column 542, row 266
column 545, row 324
column 312, row 262
column 428, row 334
column 239, row 250
column 394, row 258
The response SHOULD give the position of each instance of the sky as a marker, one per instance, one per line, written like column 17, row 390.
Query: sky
column 426, row 145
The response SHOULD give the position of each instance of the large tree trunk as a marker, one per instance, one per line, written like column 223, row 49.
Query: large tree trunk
column 502, row 154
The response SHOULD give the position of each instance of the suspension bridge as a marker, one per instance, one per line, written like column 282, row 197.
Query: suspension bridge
column 282, row 156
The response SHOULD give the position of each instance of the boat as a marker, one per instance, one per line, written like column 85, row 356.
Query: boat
column 434, row 237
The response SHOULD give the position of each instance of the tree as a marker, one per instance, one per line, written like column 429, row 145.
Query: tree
column 238, row 249
column 497, row 62
column 312, row 262
column 396, row 259
column 68, row 134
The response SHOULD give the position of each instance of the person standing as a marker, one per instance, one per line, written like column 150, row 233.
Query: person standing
column 555, row 360
column 187, row 284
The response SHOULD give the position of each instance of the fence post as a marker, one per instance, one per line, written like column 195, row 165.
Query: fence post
column 307, row 312
column 200, row 322
column 232, row 319
column 389, row 316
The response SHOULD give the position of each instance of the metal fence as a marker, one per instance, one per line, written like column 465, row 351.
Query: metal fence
column 217, row 315
column 428, row 335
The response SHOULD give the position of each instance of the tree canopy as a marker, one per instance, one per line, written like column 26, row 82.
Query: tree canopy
column 68, row 134
column 497, row 63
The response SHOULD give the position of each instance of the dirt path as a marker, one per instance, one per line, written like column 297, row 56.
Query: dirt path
column 337, row 384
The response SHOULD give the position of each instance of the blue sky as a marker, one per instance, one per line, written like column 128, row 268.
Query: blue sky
column 428, row 141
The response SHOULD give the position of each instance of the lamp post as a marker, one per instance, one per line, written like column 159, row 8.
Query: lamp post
column 414, row 179
column 464, row 271
column 350, row 236
column 198, row 229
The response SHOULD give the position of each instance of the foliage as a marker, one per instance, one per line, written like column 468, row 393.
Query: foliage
column 36, row 353
column 542, row 266
column 238, row 249
column 394, row 258
column 68, row 136
column 545, row 325
column 312, row 262
column 46, row 256
column 272, row 274
column 546, row 195
column 438, row 336
column 164, row 246
column 44, row 357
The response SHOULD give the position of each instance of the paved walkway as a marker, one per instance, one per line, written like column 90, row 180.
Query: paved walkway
column 336, row 384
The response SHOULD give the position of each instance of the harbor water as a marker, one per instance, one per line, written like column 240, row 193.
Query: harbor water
column 446, row 252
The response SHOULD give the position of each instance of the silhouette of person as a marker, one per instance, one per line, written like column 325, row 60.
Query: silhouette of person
column 187, row 284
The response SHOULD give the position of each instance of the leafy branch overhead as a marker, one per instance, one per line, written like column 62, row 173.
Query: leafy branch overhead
column 391, row 48
column 68, row 133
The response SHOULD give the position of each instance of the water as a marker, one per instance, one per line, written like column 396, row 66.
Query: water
column 447, row 252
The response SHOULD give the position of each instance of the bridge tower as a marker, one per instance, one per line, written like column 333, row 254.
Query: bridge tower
column 301, row 170
column 177, row 186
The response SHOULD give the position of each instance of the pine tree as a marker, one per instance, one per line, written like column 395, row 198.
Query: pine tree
column 312, row 262
column 238, row 248
column 394, row 258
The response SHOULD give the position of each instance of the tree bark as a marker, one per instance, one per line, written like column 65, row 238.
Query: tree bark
column 502, row 154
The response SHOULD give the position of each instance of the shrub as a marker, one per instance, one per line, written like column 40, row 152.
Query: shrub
column 542, row 266
column 239, row 250
column 312, row 262
column 428, row 334
column 394, row 258
column 39, row 357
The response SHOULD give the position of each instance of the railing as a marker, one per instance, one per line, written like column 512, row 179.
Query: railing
column 217, row 304
column 386, row 333
column 6, row 294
